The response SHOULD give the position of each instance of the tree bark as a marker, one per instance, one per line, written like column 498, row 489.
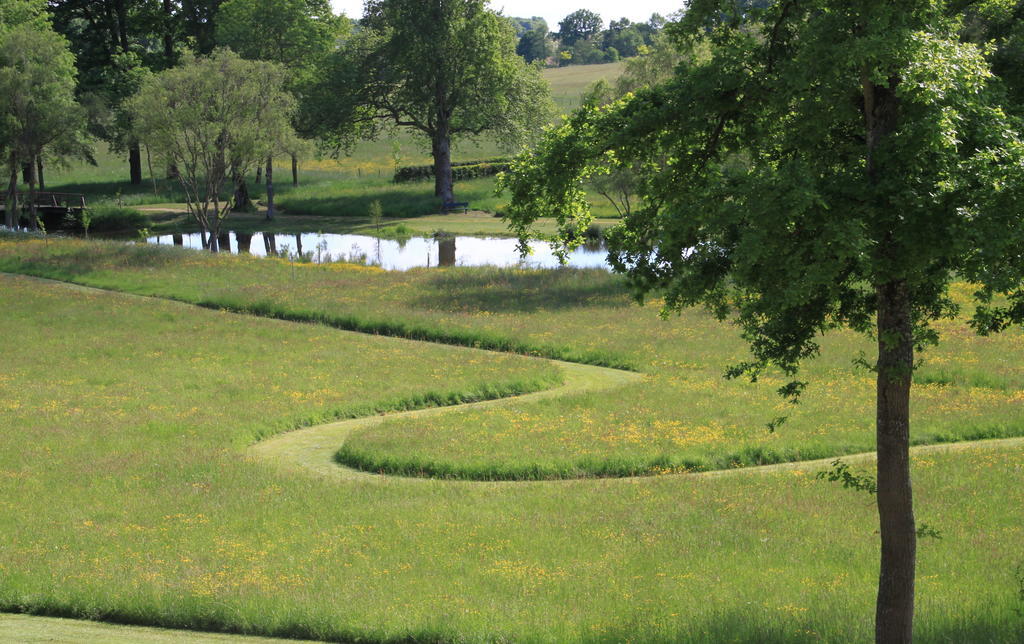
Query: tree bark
column 442, row 152
column 242, row 201
column 168, row 34
column 295, row 170
column 895, row 608
column 11, row 214
column 135, row 164
column 259, row 174
column 33, row 212
column 39, row 171
column 270, row 187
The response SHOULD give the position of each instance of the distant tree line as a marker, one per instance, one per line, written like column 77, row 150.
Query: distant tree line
column 581, row 38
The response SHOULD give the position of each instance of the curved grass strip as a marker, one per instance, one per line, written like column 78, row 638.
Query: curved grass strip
column 314, row 448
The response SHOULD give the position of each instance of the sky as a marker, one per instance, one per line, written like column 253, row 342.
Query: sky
column 554, row 10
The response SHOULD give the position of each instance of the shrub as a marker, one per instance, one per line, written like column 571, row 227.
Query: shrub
column 112, row 218
column 460, row 171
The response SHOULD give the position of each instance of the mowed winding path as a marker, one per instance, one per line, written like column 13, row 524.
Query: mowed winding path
column 311, row 451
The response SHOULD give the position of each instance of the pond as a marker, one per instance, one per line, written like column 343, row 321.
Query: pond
column 390, row 254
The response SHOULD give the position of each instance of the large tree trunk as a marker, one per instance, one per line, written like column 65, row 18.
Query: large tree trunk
column 135, row 164
column 295, row 170
column 895, row 608
column 442, row 152
column 270, row 187
column 39, row 175
column 11, row 214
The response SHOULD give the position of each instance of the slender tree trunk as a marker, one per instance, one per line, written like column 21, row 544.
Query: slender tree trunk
column 39, row 170
column 149, row 164
column 442, row 152
column 895, row 609
column 25, row 173
column 11, row 214
column 270, row 187
column 33, row 211
column 295, row 170
column 168, row 34
column 259, row 174
column 135, row 164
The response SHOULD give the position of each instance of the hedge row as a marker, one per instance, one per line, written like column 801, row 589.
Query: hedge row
column 460, row 171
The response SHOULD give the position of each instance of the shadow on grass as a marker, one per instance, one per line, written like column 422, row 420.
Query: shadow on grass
column 732, row 625
column 505, row 290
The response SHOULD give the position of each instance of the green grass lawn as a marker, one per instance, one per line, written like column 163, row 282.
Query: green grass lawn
column 683, row 416
column 126, row 493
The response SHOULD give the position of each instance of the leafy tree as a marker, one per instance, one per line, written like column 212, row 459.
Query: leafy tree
column 295, row 33
column 812, row 165
column 587, row 52
column 112, row 41
column 624, row 37
column 524, row 25
column 1001, row 23
column 38, row 111
column 446, row 69
column 581, row 24
column 534, row 45
column 209, row 116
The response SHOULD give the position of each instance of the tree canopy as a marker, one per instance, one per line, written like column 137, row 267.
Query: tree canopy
column 447, row 69
column 812, row 165
column 38, row 110
column 209, row 117
column 581, row 24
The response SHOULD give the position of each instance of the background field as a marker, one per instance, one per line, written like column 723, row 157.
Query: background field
column 329, row 187
column 126, row 497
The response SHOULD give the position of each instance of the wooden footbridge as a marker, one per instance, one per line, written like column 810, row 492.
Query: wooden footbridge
column 51, row 207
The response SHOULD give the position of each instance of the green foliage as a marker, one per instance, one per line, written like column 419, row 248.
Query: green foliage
column 841, row 472
column 782, row 231
column 295, row 33
column 581, row 24
column 210, row 116
column 447, row 70
column 534, row 46
column 38, row 111
column 112, row 218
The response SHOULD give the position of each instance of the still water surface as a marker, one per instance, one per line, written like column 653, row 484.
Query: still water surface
column 395, row 255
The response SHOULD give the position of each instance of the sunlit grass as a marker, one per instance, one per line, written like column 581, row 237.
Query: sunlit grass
column 125, row 492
